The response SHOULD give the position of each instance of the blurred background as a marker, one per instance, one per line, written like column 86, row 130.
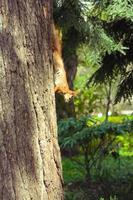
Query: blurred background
column 95, row 128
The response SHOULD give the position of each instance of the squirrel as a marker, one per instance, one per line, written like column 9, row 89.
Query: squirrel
column 60, row 78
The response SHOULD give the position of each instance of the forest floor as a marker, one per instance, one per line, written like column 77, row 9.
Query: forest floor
column 108, row 183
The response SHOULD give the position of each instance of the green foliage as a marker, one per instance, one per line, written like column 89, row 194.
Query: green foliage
column 118, row 23
column 116, row 174
column 76, row 195
column 78, row 131
column 98, row 97
column 72, row 172
column 120, row 9
column 105, row 27
column 84, row 195
column 126, row 143
column 111, row 198
column 120, row 118
column 93, row 139
column 111, row 169
column 108, row 161
column 68, row 14
column 89, row 101
column 125, row 85
column 114, row 169
column 89, row 60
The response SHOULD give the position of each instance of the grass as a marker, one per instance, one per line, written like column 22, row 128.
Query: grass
column 114, row 180
column 116, row 119
column 72, row 171
column 111, row 170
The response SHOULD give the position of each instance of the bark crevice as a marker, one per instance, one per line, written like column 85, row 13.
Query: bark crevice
column 28, row 168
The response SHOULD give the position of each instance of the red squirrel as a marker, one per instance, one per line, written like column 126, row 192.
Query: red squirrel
column 60, row 79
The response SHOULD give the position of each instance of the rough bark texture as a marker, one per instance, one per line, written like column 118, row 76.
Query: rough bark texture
column 30, row 166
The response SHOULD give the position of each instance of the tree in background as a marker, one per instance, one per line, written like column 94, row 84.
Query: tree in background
column 68, row 14
column 106, row 28
column 117, row 20
column 30, row 166
column 97, row 98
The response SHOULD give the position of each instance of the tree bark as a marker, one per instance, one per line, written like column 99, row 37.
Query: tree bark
column 30, row 165
column 108, row 89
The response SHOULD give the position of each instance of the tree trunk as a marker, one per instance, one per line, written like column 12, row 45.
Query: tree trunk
column 30, row 165
column 71, row 64
column 108, row 89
